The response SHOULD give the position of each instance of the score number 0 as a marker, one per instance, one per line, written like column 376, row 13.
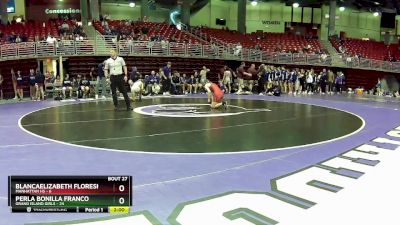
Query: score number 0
column 121, row 200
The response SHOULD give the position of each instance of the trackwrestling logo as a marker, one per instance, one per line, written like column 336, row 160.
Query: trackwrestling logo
column 192, row 110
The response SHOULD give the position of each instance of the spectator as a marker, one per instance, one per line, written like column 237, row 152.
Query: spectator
column 50, row 39
column 310, row 81
column 203, row 75
column 58, row 87
column 227, row 79
column 166, row 78
column 134, row 75
column 156, row 86
column 66, row 86
column 65, row 27
column 241, row 74
column 150, row 81
column 323, row 81
column 20, row 85
column 261, row 74
column 190, row 84
column 238, row 49
column 175, row 83
column 183, row 82
column 85, row 86
column 173, row 39
column 101, row 80
column 324, row 57
column 18, row 39
column 40, row 80
column 249, row 80
column 198, row 85
column 14, row 82
column 340, row 82
column 32, row 84
column 331, row 80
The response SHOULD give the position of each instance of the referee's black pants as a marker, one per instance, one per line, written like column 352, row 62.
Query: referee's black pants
column 117, row 81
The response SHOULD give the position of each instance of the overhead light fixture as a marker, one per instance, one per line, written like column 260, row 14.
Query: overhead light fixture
column 296, row 5
column 254, row 3
column 342, row 8
column 132, row 4
column 376, row 14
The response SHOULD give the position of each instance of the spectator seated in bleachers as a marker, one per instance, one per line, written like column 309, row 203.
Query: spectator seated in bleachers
column 40, row 85
column 58, row 88
column 84, row 87
column 176, row 86
column 67, row 87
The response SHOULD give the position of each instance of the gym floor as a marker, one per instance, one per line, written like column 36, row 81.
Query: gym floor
column 179, row 150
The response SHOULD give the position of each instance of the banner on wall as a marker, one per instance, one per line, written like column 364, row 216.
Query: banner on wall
column 268, row 22
column 42, row 10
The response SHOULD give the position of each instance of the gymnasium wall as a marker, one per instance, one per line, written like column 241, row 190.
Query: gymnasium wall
column 262, row 17
column 123, row 11
column 19, row 9
column 271, row 17
column 358, row 24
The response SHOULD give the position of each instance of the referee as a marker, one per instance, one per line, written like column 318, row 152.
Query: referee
column 115, row 67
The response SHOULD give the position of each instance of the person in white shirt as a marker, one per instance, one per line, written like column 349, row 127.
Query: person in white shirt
column 115, row 68
column 238, row 49
column 310, row 80
column 50, row 39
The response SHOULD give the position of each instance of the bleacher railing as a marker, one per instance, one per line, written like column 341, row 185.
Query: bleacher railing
column 371, row 64
column 102, row 45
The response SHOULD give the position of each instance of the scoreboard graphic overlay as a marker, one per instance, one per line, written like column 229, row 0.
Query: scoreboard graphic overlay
column 73, row 194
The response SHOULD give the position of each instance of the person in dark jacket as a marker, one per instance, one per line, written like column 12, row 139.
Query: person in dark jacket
column 101, row 80
column 39, row 78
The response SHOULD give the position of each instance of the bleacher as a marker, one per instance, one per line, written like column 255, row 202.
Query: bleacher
column 229, row 37
column 267, row 41
column 31, row 29
column 366, row 48
column 154, row 29
column 286, row 42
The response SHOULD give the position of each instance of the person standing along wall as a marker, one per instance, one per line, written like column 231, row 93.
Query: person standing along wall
column 14, row 83
column 101, row 80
